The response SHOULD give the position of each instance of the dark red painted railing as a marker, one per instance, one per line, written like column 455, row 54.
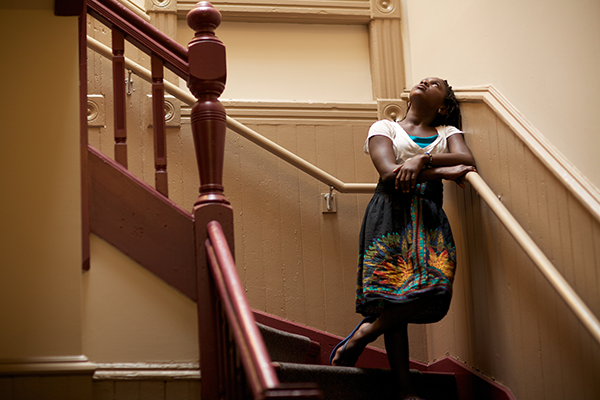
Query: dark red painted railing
column 160, row 126
column 163, row 52
column 233, row 357
column 119, row 99
column 240, row 327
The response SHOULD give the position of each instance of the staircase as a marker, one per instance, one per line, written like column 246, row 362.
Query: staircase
column 298, row 358
column 294, row 358
column 288, row 351
column 119, row 206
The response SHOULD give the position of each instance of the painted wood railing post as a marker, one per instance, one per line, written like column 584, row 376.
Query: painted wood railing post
column 160, row 130
column 118, row 46
column 207, row 74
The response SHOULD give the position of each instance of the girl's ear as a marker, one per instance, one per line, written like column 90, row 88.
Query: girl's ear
column 442, row 110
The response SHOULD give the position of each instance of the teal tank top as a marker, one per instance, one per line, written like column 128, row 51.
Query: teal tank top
column 423, row 141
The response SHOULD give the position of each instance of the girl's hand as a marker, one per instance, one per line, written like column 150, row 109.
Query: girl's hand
column 406, row 174
column 457, row 173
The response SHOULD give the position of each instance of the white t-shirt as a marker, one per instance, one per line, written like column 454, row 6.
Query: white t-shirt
column 404, row 147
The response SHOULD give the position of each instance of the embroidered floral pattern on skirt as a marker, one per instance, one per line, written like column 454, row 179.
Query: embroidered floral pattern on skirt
column 406, row 252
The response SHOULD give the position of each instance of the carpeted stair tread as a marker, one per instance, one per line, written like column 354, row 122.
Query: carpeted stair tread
column 345, row 383
column 284, row 346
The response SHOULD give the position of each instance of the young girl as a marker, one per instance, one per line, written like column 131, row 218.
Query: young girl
column 406, row 254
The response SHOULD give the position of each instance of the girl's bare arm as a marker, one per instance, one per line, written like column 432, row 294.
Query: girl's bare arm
column 452, row 165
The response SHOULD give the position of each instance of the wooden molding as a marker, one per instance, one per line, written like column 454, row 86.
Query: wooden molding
column 164, row 6
column 136, row 9
column 385, row 9
column 64, row 365
column 392, row 109
column 307, row 11
column 147, row 371
column 387, row 58
column 587, row 193
column 471, row 383
column 295, row 112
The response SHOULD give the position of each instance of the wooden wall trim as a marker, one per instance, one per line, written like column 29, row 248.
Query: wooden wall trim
column 78, row 364
column 386, row 52
column 288, row 11
column 140, row 222
column 147, row 371
column 136, row 9
column 586, row 192
column 267, row 112
column 471, row 383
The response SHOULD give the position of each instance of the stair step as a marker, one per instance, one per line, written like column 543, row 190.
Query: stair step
column 347, row 383
column 288, row 347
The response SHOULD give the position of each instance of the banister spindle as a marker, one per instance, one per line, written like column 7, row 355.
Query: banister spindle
column 118, row 47
column 207, row 73
column 159, row 124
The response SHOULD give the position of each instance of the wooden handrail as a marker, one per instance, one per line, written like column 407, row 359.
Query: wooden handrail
column 260, row 373
column 558, row 282
column 298, row 162
column 257, row 363
column 141, row 33
column 244, row 131
column 163, row 51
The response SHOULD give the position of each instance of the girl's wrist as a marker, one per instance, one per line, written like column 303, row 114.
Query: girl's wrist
column 428, row 159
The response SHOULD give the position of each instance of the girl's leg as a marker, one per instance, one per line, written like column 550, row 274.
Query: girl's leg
column 393, row 318
column 396, row 345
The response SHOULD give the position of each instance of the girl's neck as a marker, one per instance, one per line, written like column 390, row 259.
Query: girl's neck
column 417, row 120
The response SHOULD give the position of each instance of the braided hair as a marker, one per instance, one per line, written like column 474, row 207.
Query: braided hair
column 452, row 116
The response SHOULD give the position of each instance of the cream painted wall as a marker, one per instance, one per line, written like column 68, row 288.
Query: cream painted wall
column 294, row 62
column 130, row 315
column 40, row 239
column 542, row 55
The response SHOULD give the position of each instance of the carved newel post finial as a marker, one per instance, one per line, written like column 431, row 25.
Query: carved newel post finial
column 206, row 56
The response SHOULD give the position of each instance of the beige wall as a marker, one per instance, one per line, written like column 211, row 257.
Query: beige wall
column 506, row 320
column 294, row 62
column 130, row 315
column 541, row 55
column 40, row 241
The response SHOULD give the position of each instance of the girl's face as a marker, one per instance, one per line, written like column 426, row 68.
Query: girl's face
column 432, row 91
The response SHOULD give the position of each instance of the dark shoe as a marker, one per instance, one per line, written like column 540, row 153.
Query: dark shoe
column 345, row 341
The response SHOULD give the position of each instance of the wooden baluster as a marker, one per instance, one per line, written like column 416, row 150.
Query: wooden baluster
column 119, row 104
column 207, row 71
column 160, row 126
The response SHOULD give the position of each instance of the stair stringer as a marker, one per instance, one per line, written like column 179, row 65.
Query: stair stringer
column 141, row 223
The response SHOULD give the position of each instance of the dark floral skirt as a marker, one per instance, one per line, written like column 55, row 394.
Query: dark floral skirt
column 406, row 252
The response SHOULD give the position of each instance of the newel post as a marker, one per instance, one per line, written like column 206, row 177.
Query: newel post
column 206, row 56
